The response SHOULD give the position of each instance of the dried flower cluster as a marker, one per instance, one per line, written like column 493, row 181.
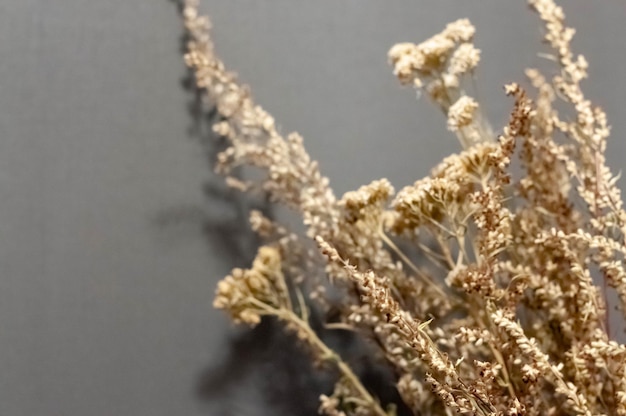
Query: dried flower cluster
column 506, row 312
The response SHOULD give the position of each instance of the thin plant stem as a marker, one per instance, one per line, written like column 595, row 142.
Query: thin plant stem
column 326, row 353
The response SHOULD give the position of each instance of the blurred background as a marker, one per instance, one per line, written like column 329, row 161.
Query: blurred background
column 113, row 228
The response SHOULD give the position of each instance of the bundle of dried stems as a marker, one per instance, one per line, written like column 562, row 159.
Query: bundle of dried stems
column 504, row 316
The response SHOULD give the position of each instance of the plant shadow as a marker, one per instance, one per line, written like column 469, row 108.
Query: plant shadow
column 266, row 370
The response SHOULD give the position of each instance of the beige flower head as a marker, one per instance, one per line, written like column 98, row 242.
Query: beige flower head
column 464, row 59
column 242, row 292
column 461, row 113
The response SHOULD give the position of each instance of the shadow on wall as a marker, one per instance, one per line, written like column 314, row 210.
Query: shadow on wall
column 255, row 378
column 266, row 371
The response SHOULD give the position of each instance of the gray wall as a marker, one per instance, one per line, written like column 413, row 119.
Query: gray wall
column 112, row 231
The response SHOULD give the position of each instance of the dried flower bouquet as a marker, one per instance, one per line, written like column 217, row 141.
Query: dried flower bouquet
column 507, row 312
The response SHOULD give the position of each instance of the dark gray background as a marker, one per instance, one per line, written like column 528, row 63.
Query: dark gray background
column 107, row 263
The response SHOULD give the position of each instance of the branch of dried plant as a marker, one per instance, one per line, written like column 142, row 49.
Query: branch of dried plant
column 511, row 321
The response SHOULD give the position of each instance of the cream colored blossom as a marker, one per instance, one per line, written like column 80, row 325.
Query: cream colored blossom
column 461, row 113
column 464, row 59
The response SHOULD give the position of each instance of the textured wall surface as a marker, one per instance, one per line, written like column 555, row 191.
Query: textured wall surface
column 113, row 231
